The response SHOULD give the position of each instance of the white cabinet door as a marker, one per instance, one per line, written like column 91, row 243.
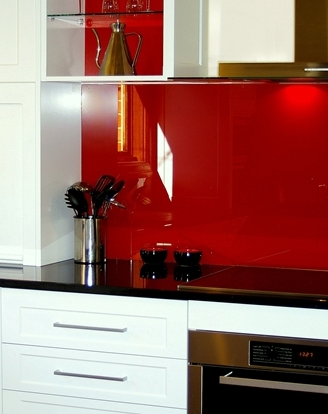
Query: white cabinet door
column 18, row 40
column 113, row 324
column 37, row 228
column 18, row 158
column 95, row 375
column 186, row 38
column 251, row 31
column 33, row 403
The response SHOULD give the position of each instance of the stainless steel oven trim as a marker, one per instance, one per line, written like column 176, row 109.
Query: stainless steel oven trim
column 232, row 349
column 195, row 389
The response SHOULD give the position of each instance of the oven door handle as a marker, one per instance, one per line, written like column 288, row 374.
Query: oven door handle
column 277, row 385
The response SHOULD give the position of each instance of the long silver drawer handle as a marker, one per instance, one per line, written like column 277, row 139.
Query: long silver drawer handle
column 315, row 69
column 277, row 385
column 89, row 328
column 98, row 377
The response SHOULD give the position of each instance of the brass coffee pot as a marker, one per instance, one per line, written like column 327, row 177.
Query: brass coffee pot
column 117, row 60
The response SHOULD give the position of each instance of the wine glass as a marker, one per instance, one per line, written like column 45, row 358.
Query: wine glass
column 148, row 5
column 134, row 5
column 110, row 6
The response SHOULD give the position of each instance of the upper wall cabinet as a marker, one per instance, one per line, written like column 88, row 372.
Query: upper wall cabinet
column 253, row 30
column 272, row 39
column 18, row 43
column 167, row 39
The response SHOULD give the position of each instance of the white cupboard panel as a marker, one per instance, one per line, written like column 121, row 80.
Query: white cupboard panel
column 251, row 31
column 11, row 188
column 18, row 40
column 18, row 170
column 152, row 327
column 60, row 167
column 122, row 378
column 186, row 38
column 30, row 403
column 9, row 30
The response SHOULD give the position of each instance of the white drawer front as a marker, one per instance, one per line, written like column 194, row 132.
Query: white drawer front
column 94, row 375
column 30, row 403
column 139, row 326
column 257, row 319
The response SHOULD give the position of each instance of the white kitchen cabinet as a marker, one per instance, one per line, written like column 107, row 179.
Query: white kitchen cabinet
column 99, row 376
column 19, row 130
column 39, row 152
column 185, row 38
column 103, row 323
column 19, row 169
column 19, row 52
column 113, row 351
column 250, row 31
column 37, row 229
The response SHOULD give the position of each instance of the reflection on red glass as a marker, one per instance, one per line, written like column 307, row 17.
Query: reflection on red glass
column 301, row 96
column 249, row 174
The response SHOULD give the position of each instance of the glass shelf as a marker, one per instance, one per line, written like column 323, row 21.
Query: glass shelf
column 82, row 15
column 98, row 20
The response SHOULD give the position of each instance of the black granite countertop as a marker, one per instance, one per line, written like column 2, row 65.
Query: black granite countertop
column 218, row 283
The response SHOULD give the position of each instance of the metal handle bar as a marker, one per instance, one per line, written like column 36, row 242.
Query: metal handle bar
column 89, row 328
column 277, row 385
column 99, row 377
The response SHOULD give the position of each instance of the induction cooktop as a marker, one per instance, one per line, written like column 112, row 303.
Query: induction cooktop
column 262, row 281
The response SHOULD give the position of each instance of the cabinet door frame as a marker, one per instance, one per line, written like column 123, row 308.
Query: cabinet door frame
column 19, row 100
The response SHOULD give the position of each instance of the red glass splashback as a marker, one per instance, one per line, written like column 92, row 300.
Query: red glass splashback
column 237, row 170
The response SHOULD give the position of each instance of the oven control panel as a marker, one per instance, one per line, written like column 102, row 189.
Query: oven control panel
column 284, row 355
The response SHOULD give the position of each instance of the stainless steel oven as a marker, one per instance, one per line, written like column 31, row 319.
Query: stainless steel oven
column 238, row 371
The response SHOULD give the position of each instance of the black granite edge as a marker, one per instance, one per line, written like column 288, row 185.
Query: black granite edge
column 98, row 290
column 235, row 297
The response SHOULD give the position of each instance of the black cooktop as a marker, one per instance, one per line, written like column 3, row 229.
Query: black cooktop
column 262, row 281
